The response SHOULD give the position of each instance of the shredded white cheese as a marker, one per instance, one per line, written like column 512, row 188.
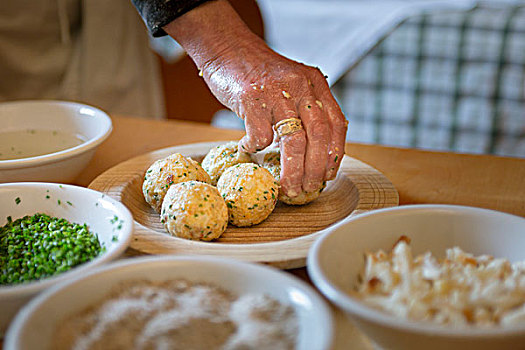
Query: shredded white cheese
column 460, row 289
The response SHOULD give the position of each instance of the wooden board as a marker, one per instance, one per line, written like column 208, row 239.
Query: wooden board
column 282, row 240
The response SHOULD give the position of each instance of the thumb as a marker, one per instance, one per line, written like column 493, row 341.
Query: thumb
column 259, row 133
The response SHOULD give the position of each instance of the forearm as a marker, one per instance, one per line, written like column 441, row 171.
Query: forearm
column 158, row 13
column 211, row 29
column 265, row 89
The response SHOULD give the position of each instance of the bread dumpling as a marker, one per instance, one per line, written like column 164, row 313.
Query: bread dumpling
column 272, row 162
column 194, row 210
column 166, row 172
column 221, row 158
column 250, row 192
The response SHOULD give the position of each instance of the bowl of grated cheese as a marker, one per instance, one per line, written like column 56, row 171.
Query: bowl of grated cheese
column 427, row 276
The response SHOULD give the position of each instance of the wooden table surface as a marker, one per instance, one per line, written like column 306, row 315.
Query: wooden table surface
column 419, row 176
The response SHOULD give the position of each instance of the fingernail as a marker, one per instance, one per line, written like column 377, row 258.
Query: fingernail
column 292, row 192
column 311, row 186
column 330, row 174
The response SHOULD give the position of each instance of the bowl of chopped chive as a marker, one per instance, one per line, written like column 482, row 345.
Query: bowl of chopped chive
column 49, row 141
column 50, row 233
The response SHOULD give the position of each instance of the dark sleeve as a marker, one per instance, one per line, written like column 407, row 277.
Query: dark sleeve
column 158, row 13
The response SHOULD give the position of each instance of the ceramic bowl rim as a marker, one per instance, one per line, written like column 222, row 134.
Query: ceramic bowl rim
column 18, row 324
column 30, row 288
column 91, row 143
column 359, row 310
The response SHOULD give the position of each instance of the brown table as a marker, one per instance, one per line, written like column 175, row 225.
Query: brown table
column 419, row 176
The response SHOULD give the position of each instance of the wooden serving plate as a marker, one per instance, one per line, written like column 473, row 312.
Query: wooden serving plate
column 282, row 240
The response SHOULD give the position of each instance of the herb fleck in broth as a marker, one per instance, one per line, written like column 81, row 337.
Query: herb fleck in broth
column 35, row 142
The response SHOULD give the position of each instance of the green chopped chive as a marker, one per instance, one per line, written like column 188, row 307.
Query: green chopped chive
column 39, row 246
column 17, row 200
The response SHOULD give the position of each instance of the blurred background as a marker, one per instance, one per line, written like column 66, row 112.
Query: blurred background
column 440, row 75
column 433, row 74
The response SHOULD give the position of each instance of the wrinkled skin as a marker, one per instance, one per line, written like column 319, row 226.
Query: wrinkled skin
column 263, row 88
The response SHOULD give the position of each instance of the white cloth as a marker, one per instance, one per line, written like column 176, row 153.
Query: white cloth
column 335, row 34
column 91, row 51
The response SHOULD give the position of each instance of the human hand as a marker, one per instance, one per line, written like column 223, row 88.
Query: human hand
column 264, row 88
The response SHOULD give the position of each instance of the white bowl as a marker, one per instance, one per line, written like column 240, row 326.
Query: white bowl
column 77, row 204
column 336, row 259
column 89, row 123
column 46, row 311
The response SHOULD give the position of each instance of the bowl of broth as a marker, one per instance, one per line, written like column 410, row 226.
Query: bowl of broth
column 49, row 141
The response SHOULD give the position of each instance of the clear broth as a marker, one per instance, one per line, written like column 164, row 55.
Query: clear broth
column 33, row 142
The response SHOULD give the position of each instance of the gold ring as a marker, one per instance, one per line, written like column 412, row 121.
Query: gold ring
column 288, row 126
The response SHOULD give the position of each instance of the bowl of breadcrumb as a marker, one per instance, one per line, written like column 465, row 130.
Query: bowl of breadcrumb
column 427, row 276
column 183, row 302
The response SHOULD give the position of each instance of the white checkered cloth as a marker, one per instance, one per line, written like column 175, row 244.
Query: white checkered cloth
column 451, row 81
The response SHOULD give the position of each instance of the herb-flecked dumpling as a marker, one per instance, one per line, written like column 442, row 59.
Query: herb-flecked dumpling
column 250, row 192
column 166, row 172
